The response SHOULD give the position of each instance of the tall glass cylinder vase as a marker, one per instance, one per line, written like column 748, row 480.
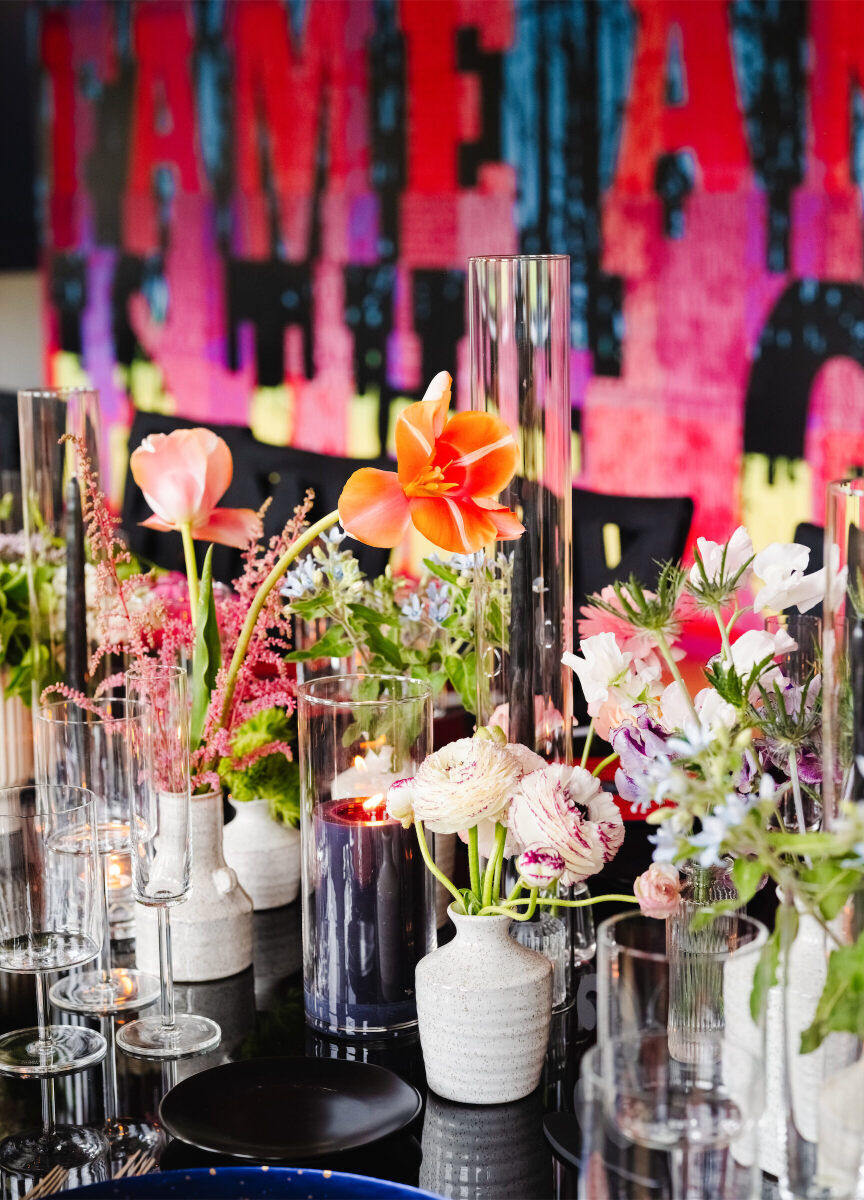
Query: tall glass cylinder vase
column 368, row 900
column 52, row 504
column 520, row 370
column 843, row 647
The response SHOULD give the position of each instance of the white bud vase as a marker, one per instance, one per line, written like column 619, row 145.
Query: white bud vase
column 211, row 931
column 484, row 1004
column 264, row 853
column 16, row 738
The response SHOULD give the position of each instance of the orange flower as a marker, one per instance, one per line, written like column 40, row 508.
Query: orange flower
column 448, row 473
column 182, row 475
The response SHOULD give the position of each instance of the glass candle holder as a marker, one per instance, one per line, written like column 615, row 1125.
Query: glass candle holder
column 368, row 900
column 519, row 309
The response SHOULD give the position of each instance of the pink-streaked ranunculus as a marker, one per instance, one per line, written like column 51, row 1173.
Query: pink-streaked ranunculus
column 658, row 890
column 463, row 784
column 400, row 801
column 539, row 867
column 527, row 761
column 564, row 809
column 183, row 475
column 722, row 570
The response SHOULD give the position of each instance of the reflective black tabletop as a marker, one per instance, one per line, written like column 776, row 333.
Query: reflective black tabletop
column 493, row 1152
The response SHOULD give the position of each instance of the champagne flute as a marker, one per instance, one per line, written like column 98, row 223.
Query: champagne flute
column 50, row 919
column 91, row 748
column 161, row 850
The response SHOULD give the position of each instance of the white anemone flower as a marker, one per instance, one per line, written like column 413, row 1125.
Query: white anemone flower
column 781, row 567
column 469, row 781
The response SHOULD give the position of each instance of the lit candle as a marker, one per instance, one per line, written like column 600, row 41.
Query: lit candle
column 370, row 774
column 371, row 913
column 119, row 872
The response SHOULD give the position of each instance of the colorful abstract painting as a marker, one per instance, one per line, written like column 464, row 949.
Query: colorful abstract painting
column 259, row 212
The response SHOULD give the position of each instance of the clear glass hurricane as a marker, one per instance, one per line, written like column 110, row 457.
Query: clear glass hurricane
column 161, row 849
column 92, row 748
column 701, row 1098
column 50, row 920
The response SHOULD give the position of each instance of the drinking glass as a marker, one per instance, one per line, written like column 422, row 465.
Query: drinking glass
column 50, row 919
column 92, row 748
column 161, row 850
column 702, row 1097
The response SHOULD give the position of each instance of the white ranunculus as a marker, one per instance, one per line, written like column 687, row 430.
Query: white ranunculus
column 562, row 809
column 540, row 868
column 400, row 801
column 739, row 549
column 469, row 781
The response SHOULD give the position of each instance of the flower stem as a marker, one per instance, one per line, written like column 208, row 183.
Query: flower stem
column 191, row 571
column 724, row 634
column 589, row 737
column 432, row 866
column 279, row 569
column 498, row 910
column 605, row 763
column 493, row 865
column 663, row 647
column 557, row 902
column 474, row 860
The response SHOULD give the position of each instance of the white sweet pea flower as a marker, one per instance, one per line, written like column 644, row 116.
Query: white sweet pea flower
column 756, row 645
column 781, row 567
column 603, row 665
column 711, row 709
column 738, row 549
column 469, row 781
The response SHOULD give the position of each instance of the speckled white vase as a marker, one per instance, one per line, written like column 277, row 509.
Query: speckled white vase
column 16, row 739
column 264, row 853
column 483, row 1009
column 211, row 931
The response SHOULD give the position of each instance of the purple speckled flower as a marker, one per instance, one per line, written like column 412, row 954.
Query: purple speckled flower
column 638, row 746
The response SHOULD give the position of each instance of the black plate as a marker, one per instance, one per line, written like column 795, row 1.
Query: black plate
column 278, row 1109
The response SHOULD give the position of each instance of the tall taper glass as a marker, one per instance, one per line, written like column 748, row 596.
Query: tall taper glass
column 94, row 748
column 162, row 850
column 519, row 311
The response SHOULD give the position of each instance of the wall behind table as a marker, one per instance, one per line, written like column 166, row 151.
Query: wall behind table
column 260, row 213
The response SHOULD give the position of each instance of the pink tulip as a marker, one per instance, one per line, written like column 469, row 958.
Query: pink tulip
column 183, row 475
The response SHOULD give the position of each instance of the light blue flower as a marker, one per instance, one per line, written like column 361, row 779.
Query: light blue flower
column 334, row 536
column 412, row 609
column 301, row 581
column 666, row 843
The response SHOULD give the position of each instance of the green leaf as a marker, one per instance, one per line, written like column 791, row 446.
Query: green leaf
column 707, row 914
column 765, row 975
column 370, row 616
column 746, row 875
column 832, row 884
column 382, row 645
column 461, row 673
column 333, row 644
column 841, row 1005
column 786, row 925
column 442, row 572
column 207, row 653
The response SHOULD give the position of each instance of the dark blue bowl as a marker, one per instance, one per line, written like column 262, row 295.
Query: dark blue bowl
column 294, row 1183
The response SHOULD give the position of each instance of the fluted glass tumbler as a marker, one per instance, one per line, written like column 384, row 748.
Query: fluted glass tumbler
column 701, row 1098
column 91, row 748
column 519, row 310
column 368, row 900
column 161, row 849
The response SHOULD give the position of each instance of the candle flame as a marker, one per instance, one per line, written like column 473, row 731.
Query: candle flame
column 373, row 802
column 376, row 745
column 360, row 763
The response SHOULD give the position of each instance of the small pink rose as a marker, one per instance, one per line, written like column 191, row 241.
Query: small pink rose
column 658, row 890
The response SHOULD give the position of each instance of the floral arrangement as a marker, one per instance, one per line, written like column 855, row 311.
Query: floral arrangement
column 637, row 698
column 448, row 473
column 18, row 657
column 421, row 627
column 505, row 801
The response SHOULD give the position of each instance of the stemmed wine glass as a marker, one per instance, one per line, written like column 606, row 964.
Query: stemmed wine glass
column 90, row 748
column 50, row 919
column 161, row 849
column 699, row 1097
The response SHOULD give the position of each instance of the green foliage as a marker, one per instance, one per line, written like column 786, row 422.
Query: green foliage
column 16, row 653
column 207, row 653
column 841, row 1005
column 653, row 612
column 273, row 777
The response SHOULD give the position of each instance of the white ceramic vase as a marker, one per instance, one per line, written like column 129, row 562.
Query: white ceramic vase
column 483, row 1008
column 16, row 739
column 264, row 853
column 211, row 931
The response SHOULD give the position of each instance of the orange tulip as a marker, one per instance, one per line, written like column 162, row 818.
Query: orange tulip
column 448, row 473
column 182, row 475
